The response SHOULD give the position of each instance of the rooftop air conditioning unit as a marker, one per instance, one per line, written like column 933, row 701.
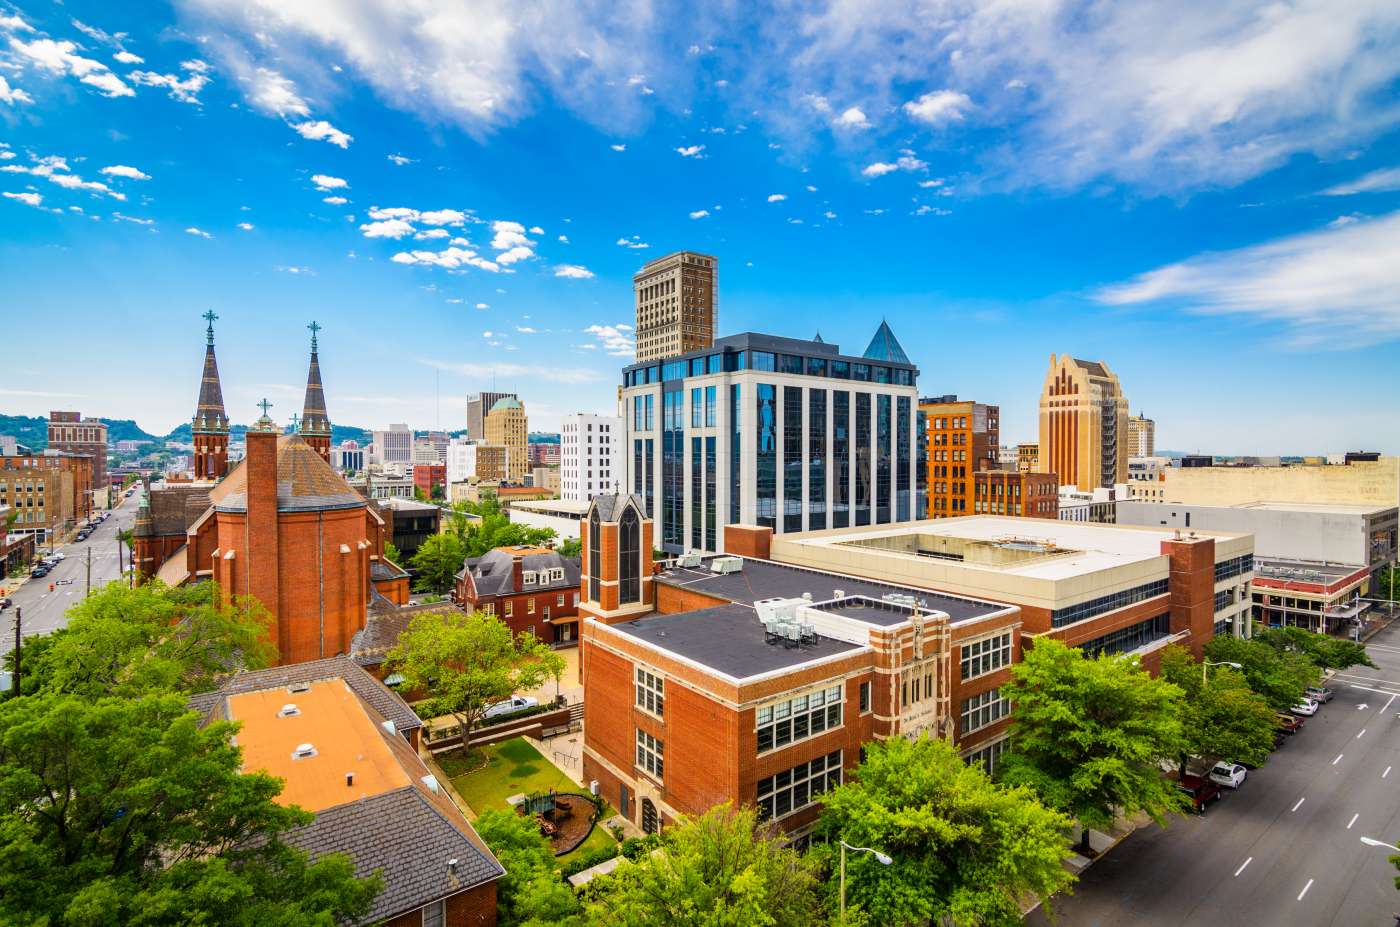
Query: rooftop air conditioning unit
column 726, row 565
column 691, row 559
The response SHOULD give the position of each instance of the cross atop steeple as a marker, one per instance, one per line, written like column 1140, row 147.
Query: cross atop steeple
column 296, row 421
column 264, row 405
column 314, row 329
column 211, row 317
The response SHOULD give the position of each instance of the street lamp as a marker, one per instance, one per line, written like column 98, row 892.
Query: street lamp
column 880, row 857
column 1207, row 663
column 1372, row 842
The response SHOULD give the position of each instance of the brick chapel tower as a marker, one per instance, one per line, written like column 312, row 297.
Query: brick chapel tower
column 210, row 425
column 315, row 426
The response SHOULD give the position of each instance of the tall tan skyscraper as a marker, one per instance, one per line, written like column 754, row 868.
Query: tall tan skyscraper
column 506, row 427
column 677, row 299
column 1083, row 424
column 1142, row 436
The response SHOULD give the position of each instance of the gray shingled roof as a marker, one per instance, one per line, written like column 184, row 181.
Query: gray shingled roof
column 386, row 621
column 379, row 696
column 610, row 505
column 403, row 837
column 492, row 573
column 175, row 508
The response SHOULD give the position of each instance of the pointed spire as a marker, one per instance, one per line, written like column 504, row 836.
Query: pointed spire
column 818, row 339
column 314, row 420
column 209, row 416
column 885, row 346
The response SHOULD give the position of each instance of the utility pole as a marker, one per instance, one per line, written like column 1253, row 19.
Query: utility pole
column 89, row 571
column 19, row 613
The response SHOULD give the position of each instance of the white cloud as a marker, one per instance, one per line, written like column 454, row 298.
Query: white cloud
column 74, row 182
column 325, row 182
column 335, row 200
column 429, row 234
column 927, row 210
column 811, row 189
column 126, row 57
column 442, row 217
column 853, row 118
column 817, row 102
column 123, row 170
column 829, row 214
column 512, row 255
column 564, row 239
column 526, row 330
column 12, row 95
column 387, row 228
column 691, row 151
column 452, row 258
column 939, row 107
column 905, row 162
column 271, row 92
column 776, row 197
column 536, row 230
column 246, row 226
column 617, row 340
column 185, row 89
column 1345, row 220
column 14, row 24
column 795, row 221
column 59, row 58
column 1339, row 287
column 200, row 233
column 573, row 271
column 295, row 270
column 699, row 214
column 618, row 147
column 132, row 219
column 320, row 130
column 483, row 306
column 1385, row 180
column 28, row 199
column 930, row 184
column 635, row 243
column 400, row 160
column 879, row 169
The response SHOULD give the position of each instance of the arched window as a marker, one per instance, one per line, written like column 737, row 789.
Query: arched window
column 595, row 557
column 629, row 542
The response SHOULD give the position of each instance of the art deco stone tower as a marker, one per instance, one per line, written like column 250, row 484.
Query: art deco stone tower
column 210, row 425
column 315, row 426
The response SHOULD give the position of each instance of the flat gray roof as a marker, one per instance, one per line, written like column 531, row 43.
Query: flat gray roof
column 728, row 639
column 768, row 579
column 1267, row 566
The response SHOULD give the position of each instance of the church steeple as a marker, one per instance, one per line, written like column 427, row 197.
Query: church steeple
column 315, row 426
column 210, row 423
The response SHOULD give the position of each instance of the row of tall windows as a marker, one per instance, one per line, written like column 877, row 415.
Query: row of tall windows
column 882, row 459
column 862, row 459
column 792, row 458
column 736, row 439
column 672, row 468
column 766, row 455
column 769, row 362
column 903, row 499
column 697, row 493
column 816, row 459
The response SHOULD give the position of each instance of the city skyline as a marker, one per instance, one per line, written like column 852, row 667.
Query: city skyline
column 1232, row 251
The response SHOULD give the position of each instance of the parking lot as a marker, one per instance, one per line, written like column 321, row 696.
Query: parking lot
column 1285, row 848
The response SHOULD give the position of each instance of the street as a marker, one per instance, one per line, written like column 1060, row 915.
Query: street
column 1285, row 849
column 46, row 611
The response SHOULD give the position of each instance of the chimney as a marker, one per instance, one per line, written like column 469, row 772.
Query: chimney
column 517, row 570
column 261, row 565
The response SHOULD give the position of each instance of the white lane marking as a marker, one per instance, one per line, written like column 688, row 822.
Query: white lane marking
column 1305, row 889
column 1300, row 802
column 1386, row 773
column 1369, row 689
column 1338, row 759
column 1358, row 736
column 1386, row 706
column 1242, row 865
column 1353, row 820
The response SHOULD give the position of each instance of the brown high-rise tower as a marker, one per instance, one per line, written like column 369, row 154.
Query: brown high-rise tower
column 677, row 304
column 210, row 425
column 315, row 426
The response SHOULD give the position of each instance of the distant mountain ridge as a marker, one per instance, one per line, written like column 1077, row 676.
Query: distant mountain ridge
column 33, row 431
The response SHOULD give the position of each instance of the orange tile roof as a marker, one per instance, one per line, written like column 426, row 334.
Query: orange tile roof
column 333, row 720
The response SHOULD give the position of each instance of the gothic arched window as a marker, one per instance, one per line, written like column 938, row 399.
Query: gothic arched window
column 595, row 557
column 629, row 543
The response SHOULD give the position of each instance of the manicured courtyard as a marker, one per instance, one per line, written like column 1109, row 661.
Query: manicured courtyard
column 513, row 767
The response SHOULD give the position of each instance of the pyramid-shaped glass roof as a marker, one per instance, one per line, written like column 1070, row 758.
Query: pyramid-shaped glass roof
column 885, row 346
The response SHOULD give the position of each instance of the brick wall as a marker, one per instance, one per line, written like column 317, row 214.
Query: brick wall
column 473, row 908
column 748, row 541
column 1192, row 591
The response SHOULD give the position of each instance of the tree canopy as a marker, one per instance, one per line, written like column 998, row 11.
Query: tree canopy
column 1325, row 652
column 491, row 528
column 721, row 869
column 1089, row 735
column 1279, row 675
column 1224, row 719
column 438, row 560
column 966, row 850
column 531, row 893
column 467, row 662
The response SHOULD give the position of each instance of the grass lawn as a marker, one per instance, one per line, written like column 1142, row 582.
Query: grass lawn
column 511, row 768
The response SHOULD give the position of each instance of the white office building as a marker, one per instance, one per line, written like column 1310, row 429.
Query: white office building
column 590, row 456
column 777, row 432
column 394, row 445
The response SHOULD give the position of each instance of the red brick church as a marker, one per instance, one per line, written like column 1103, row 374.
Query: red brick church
column 281, row 525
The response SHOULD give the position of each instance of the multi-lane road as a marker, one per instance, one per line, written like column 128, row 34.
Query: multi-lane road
column 45, row 610
column 1286, row 848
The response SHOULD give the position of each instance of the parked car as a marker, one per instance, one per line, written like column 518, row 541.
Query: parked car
column 514, row 703
column 1201, row 791
column 60, row 555
column 1307, row 708
column 39, row 571
column 1230, row 775
column 1289, row 724
column 1319, row 694
column 6, row 603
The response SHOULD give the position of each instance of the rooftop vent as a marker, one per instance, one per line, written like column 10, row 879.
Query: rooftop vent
column 289, row 710
column 452, row 865
column 389, row 726
column 349, row 778
column 299, row 687
column 304, row 751
column 431, row 783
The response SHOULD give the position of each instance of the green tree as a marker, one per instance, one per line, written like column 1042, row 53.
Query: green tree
column 467, row 662
column 1089, row 735
column 152, row 638
column 570, row 547
column 1224, row 719
column 966, row 850
column 117, row 811
column 437, row 561
column 1280, row 676
column 392, row 554
column 532, row 891
column 720, row 869
column 1325, row 652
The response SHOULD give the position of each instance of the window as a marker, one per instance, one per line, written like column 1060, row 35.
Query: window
column 650, row 692
column 1063, row 616
column 982, row 710
column 509, row 608
column 595, row 557
column 435, row 914
column 985, row 656
column 528, row 577
column 629, row 569
column 649, row 753
column 864, row 697
column 559, row 600
column 1130, row 638
column 781, row 723
column 988, row 755
column 530, row 606
column 1234, row 567
column 796, row 788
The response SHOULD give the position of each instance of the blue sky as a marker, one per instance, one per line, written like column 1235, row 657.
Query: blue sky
column 1206, row 196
